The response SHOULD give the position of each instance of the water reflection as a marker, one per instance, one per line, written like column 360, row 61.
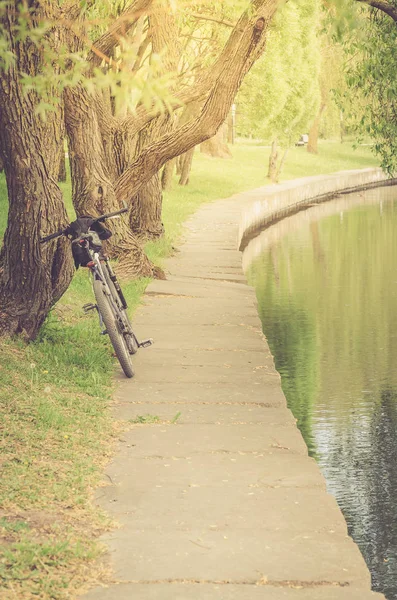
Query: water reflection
column 326, row 283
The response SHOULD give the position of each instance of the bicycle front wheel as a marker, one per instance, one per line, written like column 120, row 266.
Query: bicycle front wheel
column 106, row 311
column 129, row 335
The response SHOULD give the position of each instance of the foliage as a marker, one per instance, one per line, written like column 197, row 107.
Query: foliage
column 63, row 47
column 280, row 96
column 372, row 95
column 343, row 17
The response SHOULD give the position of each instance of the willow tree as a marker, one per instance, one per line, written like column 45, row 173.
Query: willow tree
column 281, row 95
column 371, row 78
column 33, row 277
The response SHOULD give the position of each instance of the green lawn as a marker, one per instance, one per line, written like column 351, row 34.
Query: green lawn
column 214, row 178
column 57, row 432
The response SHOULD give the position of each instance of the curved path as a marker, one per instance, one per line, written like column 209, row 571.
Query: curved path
column 216, row 497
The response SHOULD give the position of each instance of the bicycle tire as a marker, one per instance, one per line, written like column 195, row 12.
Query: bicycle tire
column 131, row 341
column 117, row 340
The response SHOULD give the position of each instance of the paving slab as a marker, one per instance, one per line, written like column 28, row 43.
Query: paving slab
column 254, row 508
column 240, row 555
column 178, row 285
column 236, row 358
column 218, row 374
column 191, row 336
column 214, row 493
column 216, row 275
column 268, row 393
column 177, row 310
column 272, row 470
column 220, row 414
column 185, row 440
column 225, row 591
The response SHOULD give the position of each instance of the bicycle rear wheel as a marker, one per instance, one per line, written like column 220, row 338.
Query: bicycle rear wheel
column 109, row 318
column 130, row 339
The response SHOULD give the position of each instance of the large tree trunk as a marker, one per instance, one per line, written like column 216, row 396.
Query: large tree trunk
column 145, row 213
column 185, row 161
column 273, row 160
column 341, row 127
column 62, row 167
column 146, row 206
column 93, row 191
column 32, row 277
column 281, row 165
column 217, row 145
column 312, row 145
column 231, row 126
column 186, row 167
column 167, row 174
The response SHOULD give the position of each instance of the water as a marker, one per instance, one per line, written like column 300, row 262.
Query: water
column 326, row 282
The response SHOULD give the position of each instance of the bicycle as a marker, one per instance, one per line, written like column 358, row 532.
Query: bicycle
column 86, row 234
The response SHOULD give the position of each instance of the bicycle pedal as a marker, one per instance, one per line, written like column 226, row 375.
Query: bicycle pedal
column 89, row 306
column 146, row 343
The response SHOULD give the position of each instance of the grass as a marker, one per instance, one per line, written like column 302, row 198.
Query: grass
column 56, row 430
column 151, row 419
column 214, row 178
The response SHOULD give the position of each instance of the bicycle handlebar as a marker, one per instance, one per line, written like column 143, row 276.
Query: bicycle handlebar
column 110, row 215
column 100, row 219
column 52, row 236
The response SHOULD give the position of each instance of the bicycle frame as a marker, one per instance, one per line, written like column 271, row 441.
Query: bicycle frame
column 96, row 269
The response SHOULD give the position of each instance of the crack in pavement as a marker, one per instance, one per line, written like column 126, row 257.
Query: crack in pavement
column 296, row 584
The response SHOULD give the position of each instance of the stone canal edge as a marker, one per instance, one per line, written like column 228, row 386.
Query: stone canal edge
column 214, row 494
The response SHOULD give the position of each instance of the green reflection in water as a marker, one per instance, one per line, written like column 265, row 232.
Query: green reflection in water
column 327, row 295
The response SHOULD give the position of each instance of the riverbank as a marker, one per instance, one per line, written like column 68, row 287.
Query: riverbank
column 335, row 349
column 57, row 431
column 269, row 204
column 212, row 487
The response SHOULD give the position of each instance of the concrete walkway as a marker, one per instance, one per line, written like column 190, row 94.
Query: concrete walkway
column 224, row 503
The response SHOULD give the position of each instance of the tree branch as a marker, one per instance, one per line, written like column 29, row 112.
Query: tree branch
column 137, row 121
column 382, row 5
column 245, row 45
column 104, row 45
column 199, row 17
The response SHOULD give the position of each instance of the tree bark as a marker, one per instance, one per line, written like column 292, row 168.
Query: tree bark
column 146, row 205
column 341, row 127
column 312, row 145
column 187, row 161
column 273, row 160
column 32, row 276
column 62, row 167
column 384, row 6
column 167, row 175
column 217, row 146
column 231, row 127
column 102, row 48
column 93, row 191
column 179, row 163
column 281, row 165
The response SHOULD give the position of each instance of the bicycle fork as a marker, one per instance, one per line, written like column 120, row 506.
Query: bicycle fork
column 90, row 306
